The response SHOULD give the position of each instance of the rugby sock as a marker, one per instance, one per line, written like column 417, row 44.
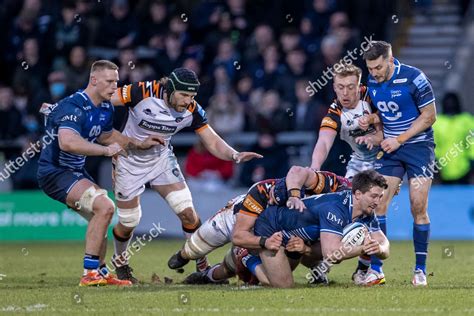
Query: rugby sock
column 421, row 236
column 375, row 262
column 120, row 245
column 190, row 229
column 210, row 272
column 251, row 262
column 103, row 270
column 91, row 262
column 364, row 263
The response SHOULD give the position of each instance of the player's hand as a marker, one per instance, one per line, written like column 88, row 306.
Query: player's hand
column 367, row 140
column 274, row 241
column 371, row 246
column 295, row 203
column 45, row 108
column 151, row 141
column 297, row 244
column 114, row 149
column 390, row 145
column 364, row 122
column 245, row 156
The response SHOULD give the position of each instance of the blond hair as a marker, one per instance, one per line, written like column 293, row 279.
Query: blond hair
column 103, row 64
column 346, row 70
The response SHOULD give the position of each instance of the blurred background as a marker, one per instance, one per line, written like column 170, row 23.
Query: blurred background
column 255, row 61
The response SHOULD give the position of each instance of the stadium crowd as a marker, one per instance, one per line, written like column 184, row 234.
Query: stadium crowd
column 254, row 59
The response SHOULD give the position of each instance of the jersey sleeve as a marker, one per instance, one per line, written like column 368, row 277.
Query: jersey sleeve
column 332, row 120
column 372, row 223
column 71, row 117
column 324, row 182
column 331, row 219
column 132, row 94
column 422, row 91
column 199, row 121
column 255, row 201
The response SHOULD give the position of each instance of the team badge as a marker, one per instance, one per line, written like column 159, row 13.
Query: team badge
column 380, row 154
column 179, row 119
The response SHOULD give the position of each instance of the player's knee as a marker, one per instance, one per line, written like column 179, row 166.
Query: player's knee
column 104, row 210
column 189, row 217
column 180, row 200
column 129, row 217
column 95, row 201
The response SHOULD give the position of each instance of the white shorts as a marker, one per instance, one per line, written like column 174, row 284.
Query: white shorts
column 355, row 166
column 130, row 176
column 217, row 230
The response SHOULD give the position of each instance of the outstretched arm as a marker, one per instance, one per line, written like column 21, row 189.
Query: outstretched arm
column 323, row 146
column 219, row 148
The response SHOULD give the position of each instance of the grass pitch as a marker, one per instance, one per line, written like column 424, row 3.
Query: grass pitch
column 43, row 278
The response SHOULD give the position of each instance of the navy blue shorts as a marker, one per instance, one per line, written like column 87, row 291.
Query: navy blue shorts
column 57, row 184
column 415, row 160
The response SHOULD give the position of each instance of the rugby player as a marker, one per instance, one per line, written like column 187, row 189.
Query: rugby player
column 406, row 106
column 160, row 108
column 323, row 221
column 82, row 124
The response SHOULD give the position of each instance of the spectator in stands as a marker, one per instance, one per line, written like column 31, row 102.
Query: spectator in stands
column 57, row 85
column 127, row 61
column 171, row 57
column 267, row 74
column 11, row 119
column 77, row 70
column 274, row 163
column 454, row 135
column 308, row 112
column 227, row 57
column 272, row 113
column 69, row 31
column 296, row 68
column 310, row 40
column 153, row 29
column 225, row 113
column 202, row 165
column 261, row 38
column 319, row 15
column 289, row 40
column 119, row 28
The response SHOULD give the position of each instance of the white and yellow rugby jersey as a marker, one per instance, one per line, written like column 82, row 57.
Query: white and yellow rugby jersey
column 149, row 115
column 346, row 123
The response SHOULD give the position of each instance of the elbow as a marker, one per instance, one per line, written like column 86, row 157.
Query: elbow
column 65, row 146
column 297, row 170
column 237, row 239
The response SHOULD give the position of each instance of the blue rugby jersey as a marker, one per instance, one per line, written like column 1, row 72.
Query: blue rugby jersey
column 400, row 99
column 77, row 113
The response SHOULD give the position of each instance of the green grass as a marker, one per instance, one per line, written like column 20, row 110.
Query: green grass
column 43, row 278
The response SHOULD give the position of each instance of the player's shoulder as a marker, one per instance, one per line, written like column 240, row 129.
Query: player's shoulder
column 335, row 108
column 107, row 106
column 195, row 108
column 409, row 72
column 76, row 102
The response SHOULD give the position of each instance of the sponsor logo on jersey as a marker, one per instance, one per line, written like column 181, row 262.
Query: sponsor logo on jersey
column 178, row 119
column 396, row 93
column 252, row 205
column 333, row 218
column 157, row 127
column 149, row 112
column 329, row 123
column 374, row 92
column 72, row 118
column 401, row 80
column 102, row 117
column 165, row 113
column 380, row 154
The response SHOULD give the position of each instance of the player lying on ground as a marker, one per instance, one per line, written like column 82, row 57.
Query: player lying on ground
column 82, row 126
column 224, row 225
column 324, row 219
